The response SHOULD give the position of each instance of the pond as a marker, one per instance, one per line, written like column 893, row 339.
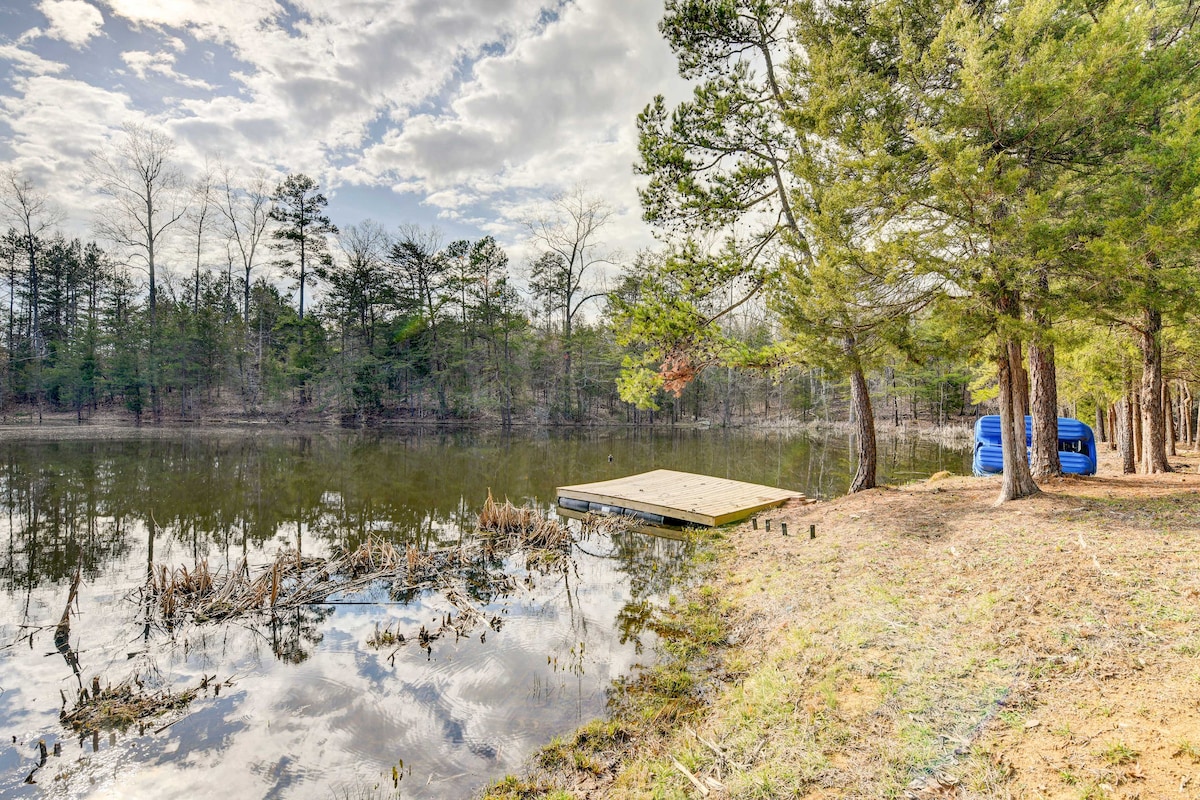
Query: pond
column 501, row 653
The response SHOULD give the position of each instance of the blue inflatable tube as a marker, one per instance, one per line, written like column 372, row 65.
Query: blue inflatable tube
column 1076, row 446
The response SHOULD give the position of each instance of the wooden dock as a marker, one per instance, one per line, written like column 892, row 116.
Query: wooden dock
column 684, row 496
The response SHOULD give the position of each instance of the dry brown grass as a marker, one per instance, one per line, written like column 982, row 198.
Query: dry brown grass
column 929, row 644
column 522, row 526
column 201, row 594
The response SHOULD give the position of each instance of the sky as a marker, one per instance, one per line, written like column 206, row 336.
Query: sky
column 465, row 114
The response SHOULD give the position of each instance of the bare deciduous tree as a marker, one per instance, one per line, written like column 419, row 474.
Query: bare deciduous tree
column 246, row 209
column 199, row 218
column 567, row 231
column 358, row 284
column 146, row 195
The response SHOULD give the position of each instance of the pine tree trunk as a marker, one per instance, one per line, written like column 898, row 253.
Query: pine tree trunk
column 1137, row 428
column 1101, row 432
column 1020, row 381
column 1018, row 482
column 1112, row 427
column 1185, row 412
column 1043, row 458
column 1168, row 412
column 864, row 418
column 1125, row 436
column 1154, row 438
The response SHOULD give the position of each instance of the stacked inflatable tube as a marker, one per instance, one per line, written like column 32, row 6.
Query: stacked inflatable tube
column 1076, row 446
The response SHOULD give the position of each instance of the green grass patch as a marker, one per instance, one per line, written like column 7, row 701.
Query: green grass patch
column 645, row 708
column 1119, row 753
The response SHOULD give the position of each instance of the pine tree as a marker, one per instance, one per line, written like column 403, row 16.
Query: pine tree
column 301, row 229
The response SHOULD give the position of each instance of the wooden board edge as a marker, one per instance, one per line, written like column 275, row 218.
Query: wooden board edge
column 650, row 508
column 743, row 513
column 649, row 530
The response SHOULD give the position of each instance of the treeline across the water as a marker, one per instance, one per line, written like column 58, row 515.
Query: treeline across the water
column 402, row 325
column 82, row 340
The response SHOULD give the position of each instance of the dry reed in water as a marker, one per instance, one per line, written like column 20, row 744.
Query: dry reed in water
column 204, row 595
column 523, row 526
column 288, row 582
column 118, row 707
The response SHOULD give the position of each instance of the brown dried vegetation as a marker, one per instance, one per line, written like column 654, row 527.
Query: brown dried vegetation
column 927, row 644
column 201, row 594
column 290, row 581
column 118, row 707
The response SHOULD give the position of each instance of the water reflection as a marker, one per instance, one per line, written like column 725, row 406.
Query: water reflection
column 296, row 704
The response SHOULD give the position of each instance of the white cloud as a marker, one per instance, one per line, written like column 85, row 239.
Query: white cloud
column 215, row 20
column 476, row 108
column 555, row 110
column 452, row 200
column 25, row 61
column 144, row 63
column 313, row 83
column 73, row 21
column 56, row 123
column 142, row 60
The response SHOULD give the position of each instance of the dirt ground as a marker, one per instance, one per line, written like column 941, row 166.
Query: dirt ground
column 933, row 644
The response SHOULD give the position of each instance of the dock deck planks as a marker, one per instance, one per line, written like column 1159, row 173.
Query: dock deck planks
column 701, row 499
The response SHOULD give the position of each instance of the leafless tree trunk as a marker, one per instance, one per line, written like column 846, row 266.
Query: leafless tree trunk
column 567, row 230
column 145, row 194
column 198, row 217
column 246, row 210
column 145, row 198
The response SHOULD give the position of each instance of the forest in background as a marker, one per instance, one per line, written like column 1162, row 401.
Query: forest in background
column 404, row 325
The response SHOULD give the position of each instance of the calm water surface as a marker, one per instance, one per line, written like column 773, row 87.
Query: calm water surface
column 306, row 707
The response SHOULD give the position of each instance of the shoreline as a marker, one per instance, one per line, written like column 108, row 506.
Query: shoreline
column 115, row 426
column 926, row 644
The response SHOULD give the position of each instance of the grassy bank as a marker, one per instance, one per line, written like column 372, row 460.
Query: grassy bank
column 926, row 644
